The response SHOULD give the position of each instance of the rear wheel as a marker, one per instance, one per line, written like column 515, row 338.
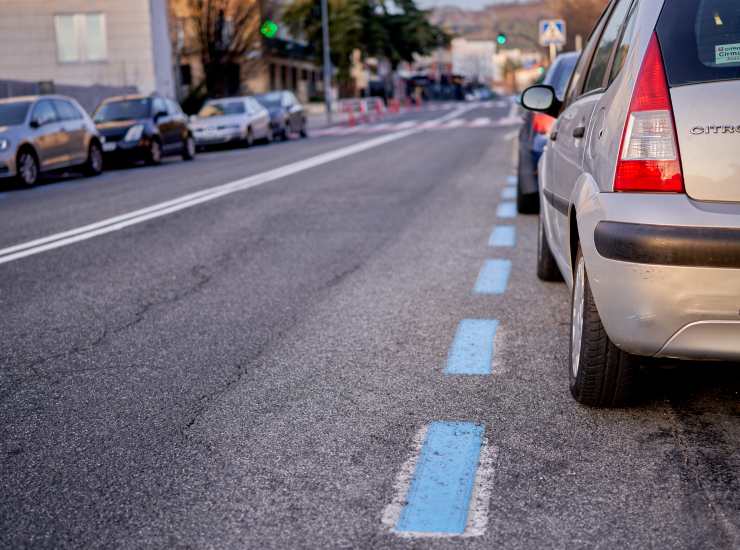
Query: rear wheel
column 601, row 375
column 94, row 164
column 547, row 268
column 249, row 138
column 28, row 167
column 154, row 155
column 188, row 148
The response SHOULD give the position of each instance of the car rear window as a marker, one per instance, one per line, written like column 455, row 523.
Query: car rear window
column 559, row 75
column 700, row 40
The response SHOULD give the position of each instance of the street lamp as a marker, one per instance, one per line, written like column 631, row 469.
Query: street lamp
column 327, row 58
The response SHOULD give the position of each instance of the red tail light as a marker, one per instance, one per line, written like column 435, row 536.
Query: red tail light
column 542, row 123
column 649, row 158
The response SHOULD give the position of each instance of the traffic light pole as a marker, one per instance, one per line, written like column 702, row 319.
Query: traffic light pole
column 327, row 58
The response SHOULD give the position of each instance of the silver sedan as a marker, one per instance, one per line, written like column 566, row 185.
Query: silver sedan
column 240, row 120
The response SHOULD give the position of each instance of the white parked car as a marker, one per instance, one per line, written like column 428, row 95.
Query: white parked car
column 240, row 120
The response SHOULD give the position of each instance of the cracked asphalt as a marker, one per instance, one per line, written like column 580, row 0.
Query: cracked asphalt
column 251, row 372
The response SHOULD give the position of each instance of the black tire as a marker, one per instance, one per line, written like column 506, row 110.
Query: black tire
column 547, row 268
column 248, row 140
column 188, row 148
column 154, row 154
column 600, row 374
column 27, row 165
column 94, row 164
column 526, row 203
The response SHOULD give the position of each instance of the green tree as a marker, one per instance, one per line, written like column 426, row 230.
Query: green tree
column 376, row 28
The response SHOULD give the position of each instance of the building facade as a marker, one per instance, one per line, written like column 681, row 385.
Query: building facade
column 279, row 62
column 109, row 44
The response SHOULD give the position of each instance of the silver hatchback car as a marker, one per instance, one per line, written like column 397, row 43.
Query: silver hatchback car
column 640, row 187
column 44, row 133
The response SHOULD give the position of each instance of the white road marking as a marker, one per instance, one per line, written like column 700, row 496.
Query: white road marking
column 116, row 223
column 481, row 121
column 455, row 123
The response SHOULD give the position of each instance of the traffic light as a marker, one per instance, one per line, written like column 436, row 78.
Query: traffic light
column 269, row 28
column 501, row 39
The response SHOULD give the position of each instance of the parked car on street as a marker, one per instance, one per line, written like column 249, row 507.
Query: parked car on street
column 231, row 120
column 286, row 113
column 534, row 134
column 640, row 188
column 45, row 133
column 147, row 128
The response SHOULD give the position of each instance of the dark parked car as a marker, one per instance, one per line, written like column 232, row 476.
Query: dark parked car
column 286, row 113
column 44, row 133
column 144, row 128
column 535, row 132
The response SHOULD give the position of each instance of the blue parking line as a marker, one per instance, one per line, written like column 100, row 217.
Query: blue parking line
column 473, row 347
column 503, row 235
column 493, row 277
column 506, row 210
column 438, row 500
column 508, row 193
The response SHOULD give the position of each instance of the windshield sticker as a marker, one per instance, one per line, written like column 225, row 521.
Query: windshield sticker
column 727, row 53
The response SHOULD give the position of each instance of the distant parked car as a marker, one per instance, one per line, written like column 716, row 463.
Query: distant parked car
column 44, row 133
column 231, row 120
column 137, row 127
column 534, row 134
column 286, row 113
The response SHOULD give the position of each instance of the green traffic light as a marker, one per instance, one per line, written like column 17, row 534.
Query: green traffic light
column 269, row 28
column 501, row 39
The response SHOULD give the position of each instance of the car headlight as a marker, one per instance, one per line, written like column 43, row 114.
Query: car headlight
column 134, row 133
column 4, row 144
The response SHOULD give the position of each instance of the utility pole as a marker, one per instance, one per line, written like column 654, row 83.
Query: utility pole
column 327, row 58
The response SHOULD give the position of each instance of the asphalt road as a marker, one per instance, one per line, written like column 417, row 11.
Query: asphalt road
column 253, row 371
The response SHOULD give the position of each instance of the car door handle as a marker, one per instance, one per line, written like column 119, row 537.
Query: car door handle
column 554, row 135
column 579, row 132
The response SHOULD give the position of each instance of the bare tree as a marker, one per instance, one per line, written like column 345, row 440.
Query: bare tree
column 226, row 30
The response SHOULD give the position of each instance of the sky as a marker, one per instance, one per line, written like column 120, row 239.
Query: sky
column 467, row 4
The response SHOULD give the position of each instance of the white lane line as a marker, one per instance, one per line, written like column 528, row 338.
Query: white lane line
column 117, row 223
column 455, row 123
column 481, row 121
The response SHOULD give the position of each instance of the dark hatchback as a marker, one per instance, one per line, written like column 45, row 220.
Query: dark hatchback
column 286, row 113
column 535, row 132
column 136, row 128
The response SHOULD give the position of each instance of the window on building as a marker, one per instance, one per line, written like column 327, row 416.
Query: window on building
column 81, row 37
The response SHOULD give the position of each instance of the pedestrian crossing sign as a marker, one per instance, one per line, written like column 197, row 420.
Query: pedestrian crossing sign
column 552, row 32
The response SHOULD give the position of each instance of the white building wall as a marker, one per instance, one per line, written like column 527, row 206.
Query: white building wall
column 28, row 45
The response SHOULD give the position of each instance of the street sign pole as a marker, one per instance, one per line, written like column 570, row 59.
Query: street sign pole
column 553, row 53
column 327, row 58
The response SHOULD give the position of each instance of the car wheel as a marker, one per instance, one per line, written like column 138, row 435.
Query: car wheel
column 154, row 155
column 188, row 150
column 249, row 138
column 28, row 167
column 547, row 268
column 526, row 203
column 94, row 164
column 601, row 375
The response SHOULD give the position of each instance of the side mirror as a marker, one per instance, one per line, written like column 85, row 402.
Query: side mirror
column 541, row 98
column 35, row 123
column 160, row 114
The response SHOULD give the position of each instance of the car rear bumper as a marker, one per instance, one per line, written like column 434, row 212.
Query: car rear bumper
column 665, row 273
